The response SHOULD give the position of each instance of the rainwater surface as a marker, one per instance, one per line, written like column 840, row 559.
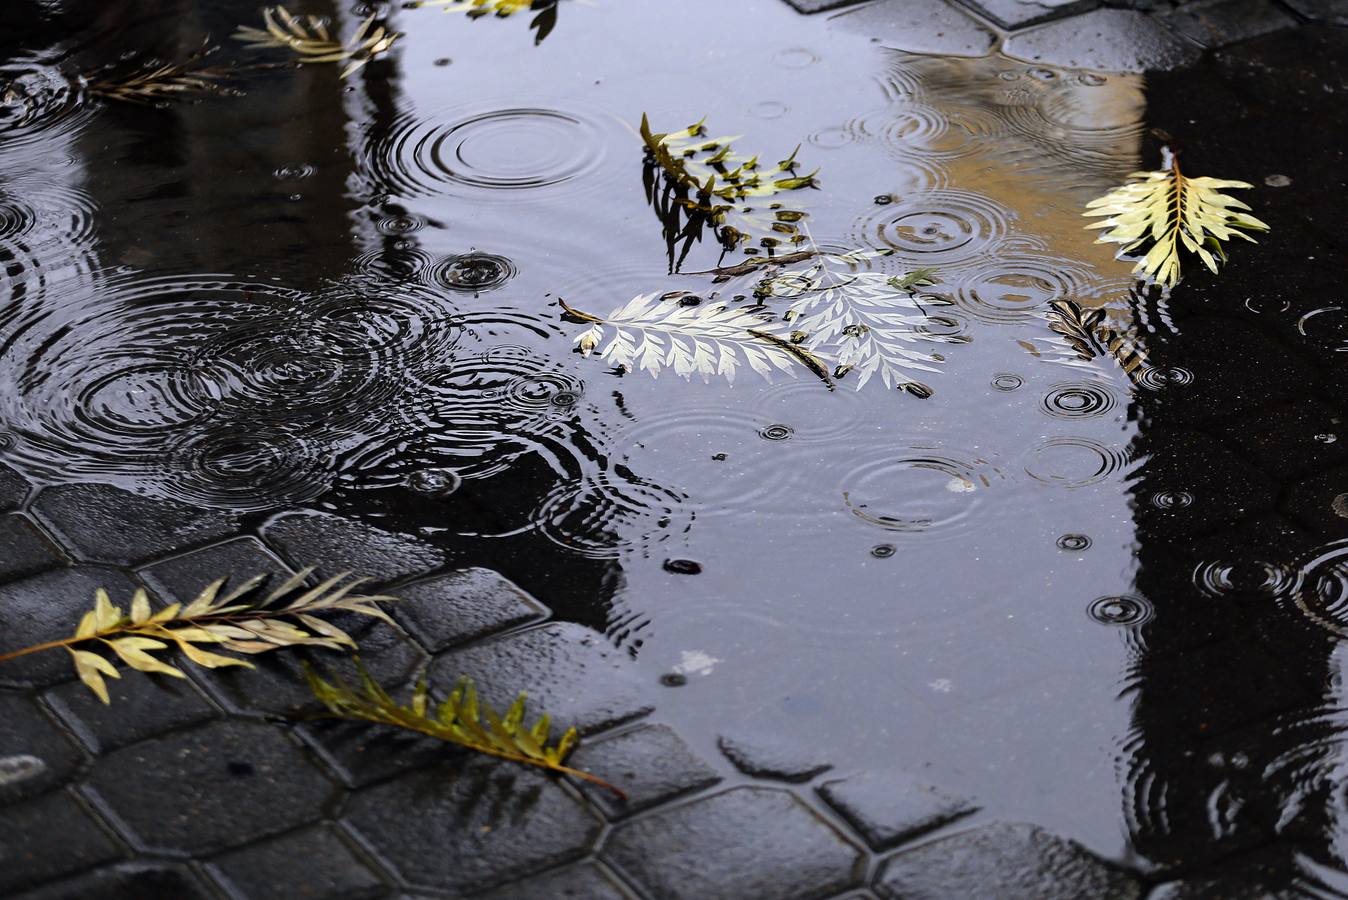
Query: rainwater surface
column 1100, row 601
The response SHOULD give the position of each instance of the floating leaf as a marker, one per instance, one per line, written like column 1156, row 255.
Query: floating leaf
column 1170, row 210
column 232, row 621
column 654, row 333
column 308, row 38
column 457, row 720
column 863, row 320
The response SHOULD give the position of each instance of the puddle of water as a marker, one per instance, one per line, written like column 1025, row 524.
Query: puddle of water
column 345, row 295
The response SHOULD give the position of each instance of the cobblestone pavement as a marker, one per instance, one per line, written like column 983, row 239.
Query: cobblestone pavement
column 205, row 788
column 1109, row 35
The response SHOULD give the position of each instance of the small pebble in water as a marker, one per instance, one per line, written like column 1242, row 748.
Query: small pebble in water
column 435, row 482
column 443, row 61
column 883, row 551
column 720, row 457
column 1277, row 181
column 673, row 679
column 1340, row 506
column 883, row 199
column 683, row 567
column 21, row 767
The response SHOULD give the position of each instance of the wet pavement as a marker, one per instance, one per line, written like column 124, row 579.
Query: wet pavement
column 1131, row 684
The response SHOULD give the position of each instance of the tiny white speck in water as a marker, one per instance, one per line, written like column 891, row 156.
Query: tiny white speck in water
column 941, row 685
column 695, row 662
column 960, row 486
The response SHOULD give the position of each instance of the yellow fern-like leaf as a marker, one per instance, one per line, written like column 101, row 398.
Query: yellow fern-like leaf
column 456, row 720
column 236, row 621
column 1171, row 212
column 307, row 37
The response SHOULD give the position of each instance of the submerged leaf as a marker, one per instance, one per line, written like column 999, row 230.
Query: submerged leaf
column 456, row 720
column 1169, row 211
column 308, row 39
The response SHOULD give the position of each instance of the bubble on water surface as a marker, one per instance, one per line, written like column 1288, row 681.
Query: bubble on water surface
column 435, row 482
column 1074, row 542
column 503, row 150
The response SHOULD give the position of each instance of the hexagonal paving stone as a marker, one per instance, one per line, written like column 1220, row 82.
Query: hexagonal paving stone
column 183, row 577
column 217, row 786
column 1014, row 14
column 103, row 523
column 887, row 808
column 1113, row 40
column 464, row 606
column 143, row 706
column 362, row 754
column 13, row 488
column 919, row 26
column 585, row 881
column 311, row 863
column 651, row 765
column 1007, row 861
column 48, row 607
column 336, row 544
column 1222, row 22
column 568, row 670
column 24, row 550
column 770, row 756
column 35, row 756
column 1332, row 11
column 747, row 842
column 129, row 881
column 30, row 853
column 472, row 825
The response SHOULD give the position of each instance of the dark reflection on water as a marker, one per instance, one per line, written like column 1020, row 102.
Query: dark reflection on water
column 1043, row 587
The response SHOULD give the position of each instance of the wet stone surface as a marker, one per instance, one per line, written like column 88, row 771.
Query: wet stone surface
column 335, row 544
column 28, row 852
column 34, row 755
column 1112, row 40
column 1014, row 861
column 129, row 881
column 919, row 26
column 503, row 823
column 102, row 523
column 585, row 881
column 1221, row 22
column 716, row 847
column 767, row 756
column 23, row 549
column 142, row 707
column 464, row 606
column 567, row 669
column 13, row 488
column 214, row 786
column 310, row 863
column 182, row 578
column 888, row 808
column 651, row 764
column 1015, row 14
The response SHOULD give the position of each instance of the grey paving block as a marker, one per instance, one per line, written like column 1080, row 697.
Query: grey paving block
column 143, row 706
column 569, row 671
column 747, row 842
column 1007, row 861
column 48, row 607
column 1333, row 11
column 129, row 881
column 336, row 544
column 918, row 26
column 472, row 825
column 362, row 754
column 1223, row 22
column 584, row 881
column 887, row 808
column 13, row 488
column 216, row 786
column 1112, row 40
column 181, row 578
column 312, row 863
column 651, row 765
column 103, row 523
column 771, row 756
column 1013, row 14
column 24, row 550
column 29, row 854
column 464, row 606
column 35, row 755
